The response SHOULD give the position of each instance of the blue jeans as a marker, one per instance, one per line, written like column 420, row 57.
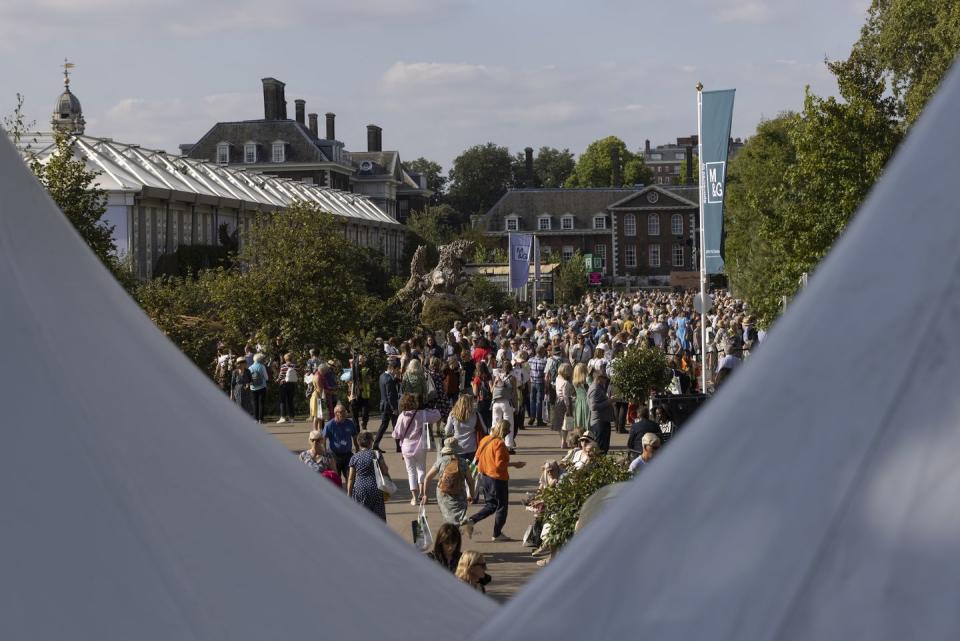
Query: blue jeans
column 536, row 402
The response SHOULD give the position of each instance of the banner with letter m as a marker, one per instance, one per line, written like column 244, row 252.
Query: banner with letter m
column 520, row 250
column 716, row 118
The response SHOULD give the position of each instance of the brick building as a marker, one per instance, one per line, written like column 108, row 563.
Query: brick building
column 666, row 161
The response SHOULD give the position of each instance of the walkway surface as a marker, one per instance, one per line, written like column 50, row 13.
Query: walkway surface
column 509, row 563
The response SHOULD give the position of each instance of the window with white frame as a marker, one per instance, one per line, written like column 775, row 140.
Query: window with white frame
column 567, row 252
column 653, row 224
column 680, row 155
column 278, row 151
column 566, row 223
column 653, row 255
column 630, row 256
column 512, row 223
column 250, row 153
column 678, row 255
column 601, row 251
column 600, row 222
column 629, row 225
column 676, row 225
column 543, row 223
column 223, row 153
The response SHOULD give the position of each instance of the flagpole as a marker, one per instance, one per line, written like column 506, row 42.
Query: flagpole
column 703, row 245
column 536, row 283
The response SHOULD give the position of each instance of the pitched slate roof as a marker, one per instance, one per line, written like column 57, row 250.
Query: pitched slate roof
column 302, row 145
column 528, row 204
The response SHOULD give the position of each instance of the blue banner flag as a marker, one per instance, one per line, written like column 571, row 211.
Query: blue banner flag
column 716, row 115
column 520, row 245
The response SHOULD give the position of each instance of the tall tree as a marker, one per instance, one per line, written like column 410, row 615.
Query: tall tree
column 436, row 181
column 594, row 167
column 478, row 178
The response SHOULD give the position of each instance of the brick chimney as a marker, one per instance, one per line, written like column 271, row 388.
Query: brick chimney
column 689, row 157
column 274, row 101
column 615, row 166
column 300, row 107
column 331, row 131
column 528, row 179
column 312, row 118
column 646, row 146
column 374, row 142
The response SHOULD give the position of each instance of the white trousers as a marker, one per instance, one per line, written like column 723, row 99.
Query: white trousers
column 416, row 468
column 503, row 411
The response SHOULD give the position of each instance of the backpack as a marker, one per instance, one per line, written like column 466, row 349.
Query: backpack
column 291, row 375
column 256, row 378
column 451, row 480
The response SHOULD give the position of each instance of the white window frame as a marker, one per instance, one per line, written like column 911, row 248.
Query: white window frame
column 567, row 252
column 281, row 147
column 566, row 223
column 601, row 219
column 675, row 255
column 653, row 224
column 249, row 153
column 511, row 219
column 223, row 153
column 681, row 155
column 630, row 256
column 544, row 219
column 653, row 255
column 676, row 225
column 629, row 225
column 601, row 251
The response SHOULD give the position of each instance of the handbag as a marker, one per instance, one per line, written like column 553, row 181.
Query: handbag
column 431, row 388
column 384, row 483
column 422, row 536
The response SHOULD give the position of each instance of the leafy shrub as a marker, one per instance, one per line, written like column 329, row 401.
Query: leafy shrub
column 439, row 314
column 562, row 502
column 640, row 371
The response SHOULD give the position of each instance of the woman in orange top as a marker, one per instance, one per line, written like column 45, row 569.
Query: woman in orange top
column 493, row 461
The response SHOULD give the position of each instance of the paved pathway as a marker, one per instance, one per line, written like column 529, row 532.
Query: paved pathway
column 509, row 563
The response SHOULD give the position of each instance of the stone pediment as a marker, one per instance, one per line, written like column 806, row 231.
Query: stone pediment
column 652, row 197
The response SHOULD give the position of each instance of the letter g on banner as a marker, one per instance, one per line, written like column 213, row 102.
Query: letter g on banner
column 716, row 172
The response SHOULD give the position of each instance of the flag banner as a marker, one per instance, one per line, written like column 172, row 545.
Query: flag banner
column 716, row 117
column 520, row 245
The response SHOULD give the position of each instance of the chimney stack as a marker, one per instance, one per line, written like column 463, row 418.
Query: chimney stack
column 689, row 157
column 331, row 132
column 274, row 101
column 646, row 147
column 313, row 124
column 529, row 165
column 300, row 107
column 374, row 140
column 615, row 166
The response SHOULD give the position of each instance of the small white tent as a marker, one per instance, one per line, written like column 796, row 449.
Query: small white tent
column 815, row 498
column 139, row 503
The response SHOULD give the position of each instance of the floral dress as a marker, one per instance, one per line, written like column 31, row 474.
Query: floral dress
column 441, row 401
column 365, row 490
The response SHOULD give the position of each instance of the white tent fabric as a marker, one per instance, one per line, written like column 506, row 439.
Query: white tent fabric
column 139, row 503
column 815, row 498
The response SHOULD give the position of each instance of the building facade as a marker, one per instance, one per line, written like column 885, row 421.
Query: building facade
column 641, row 235
column 294, row 149
column 666, row 162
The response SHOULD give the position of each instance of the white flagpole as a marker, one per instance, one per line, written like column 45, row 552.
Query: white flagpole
column 536, row 280
column 703, row 245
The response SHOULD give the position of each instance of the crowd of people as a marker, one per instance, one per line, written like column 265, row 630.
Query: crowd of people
column 469, row 395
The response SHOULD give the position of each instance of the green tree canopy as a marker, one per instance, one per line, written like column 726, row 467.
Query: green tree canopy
column 478, row 178
column 551, row 167
column 436, row 181
column 594, row 168
column 570, row 280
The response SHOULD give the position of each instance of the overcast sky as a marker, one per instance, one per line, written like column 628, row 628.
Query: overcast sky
column 437, row 75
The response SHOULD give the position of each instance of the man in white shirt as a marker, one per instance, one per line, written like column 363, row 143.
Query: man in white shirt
column 650, row 443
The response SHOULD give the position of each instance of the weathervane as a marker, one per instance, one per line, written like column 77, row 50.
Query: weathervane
column 67, row 66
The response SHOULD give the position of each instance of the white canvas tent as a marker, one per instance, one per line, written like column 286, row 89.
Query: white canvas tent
column 815, row 498
column 139, row 503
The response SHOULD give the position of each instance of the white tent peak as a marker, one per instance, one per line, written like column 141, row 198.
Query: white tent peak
column 139, row 503
column 815, row 497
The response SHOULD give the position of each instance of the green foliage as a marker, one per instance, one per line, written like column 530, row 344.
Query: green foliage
column 683, row 178
column 435, row 225
column 479, row 177
column 594, row 169
column 191, row 259
column 570, row 280
column 439, row 314
column 16, row 123
column 563, row 501
column 436, row 181
column 482, row 296
column 640, row 371
column 551, row 167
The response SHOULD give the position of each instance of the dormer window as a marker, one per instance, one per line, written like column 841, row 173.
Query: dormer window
column 278, row 151
column 543, row 223
column 250, row 153
column 566, row 223
column 512, row 223
column 223, row 153
column 600, row 222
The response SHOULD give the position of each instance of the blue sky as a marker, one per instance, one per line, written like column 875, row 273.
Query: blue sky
column 437, row 75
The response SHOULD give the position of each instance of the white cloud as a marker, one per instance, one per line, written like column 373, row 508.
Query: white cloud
column 748, row 11
column 404, row 77
column 687, row 68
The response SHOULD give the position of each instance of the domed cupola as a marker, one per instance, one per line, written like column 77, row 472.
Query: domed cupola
column 68, row 115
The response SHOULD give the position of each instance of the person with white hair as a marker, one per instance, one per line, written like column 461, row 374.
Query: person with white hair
column 650, row 444
column 258, row 385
